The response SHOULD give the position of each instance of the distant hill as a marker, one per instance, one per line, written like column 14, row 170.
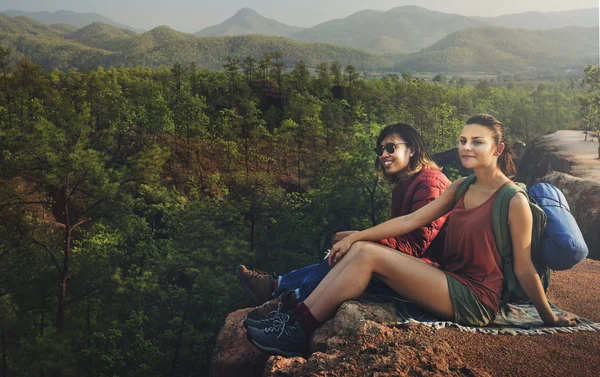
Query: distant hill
column 102, row 36
column 543, row 21
column 25, row 25
column 406, row 28
column 501, row 49
column 69, row 18
column 52, row 52
column 248, row 21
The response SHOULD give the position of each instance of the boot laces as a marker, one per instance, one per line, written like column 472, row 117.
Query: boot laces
column 275, row 313
column 281, row 326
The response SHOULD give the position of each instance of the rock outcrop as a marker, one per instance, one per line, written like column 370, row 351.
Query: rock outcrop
column 357, row 342
column 233, row 354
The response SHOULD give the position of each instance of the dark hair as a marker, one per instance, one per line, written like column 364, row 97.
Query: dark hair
column 505, row 160
column 421, row 157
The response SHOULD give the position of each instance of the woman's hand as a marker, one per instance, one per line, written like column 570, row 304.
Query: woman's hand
column 565, row 320
column 339, row 250
column 341, row 235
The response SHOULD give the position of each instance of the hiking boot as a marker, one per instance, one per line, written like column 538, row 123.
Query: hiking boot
column 258, row 285
column 287, row 299
column 267, row 321
column 282, row 338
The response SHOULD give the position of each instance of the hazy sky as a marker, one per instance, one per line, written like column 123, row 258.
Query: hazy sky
column 194, row 15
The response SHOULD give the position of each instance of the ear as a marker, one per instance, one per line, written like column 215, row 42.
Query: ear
column 412, row 152
column 499, row 149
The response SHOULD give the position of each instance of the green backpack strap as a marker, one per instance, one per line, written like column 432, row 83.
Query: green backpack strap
column 504, row 242
column 463, row 187
column 502, row 234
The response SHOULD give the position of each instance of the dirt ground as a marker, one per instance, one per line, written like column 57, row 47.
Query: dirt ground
column 571, row 144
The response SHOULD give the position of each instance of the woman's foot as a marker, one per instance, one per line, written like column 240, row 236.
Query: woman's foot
column 281, row 338
column 258, row 285
column 274, row 316
column 265, row 313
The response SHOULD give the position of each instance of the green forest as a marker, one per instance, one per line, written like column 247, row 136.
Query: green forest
column 128, row 195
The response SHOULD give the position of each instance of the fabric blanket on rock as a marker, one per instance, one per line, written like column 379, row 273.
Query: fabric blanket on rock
column 521, row 319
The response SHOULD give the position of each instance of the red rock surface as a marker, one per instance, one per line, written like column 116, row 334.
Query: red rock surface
column 378, row 350
column 233, row 354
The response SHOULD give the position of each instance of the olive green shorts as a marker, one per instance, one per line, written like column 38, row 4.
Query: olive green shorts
column 468, row 310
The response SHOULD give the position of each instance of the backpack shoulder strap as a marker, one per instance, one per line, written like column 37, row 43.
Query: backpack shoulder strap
column 463, row 187
column 502, row 236
column 500, row 217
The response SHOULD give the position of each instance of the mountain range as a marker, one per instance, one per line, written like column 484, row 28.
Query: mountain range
column 60, row 46
column 402, row 29
column 485, row 49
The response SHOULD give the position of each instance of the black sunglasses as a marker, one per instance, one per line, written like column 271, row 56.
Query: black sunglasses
column 389, row 148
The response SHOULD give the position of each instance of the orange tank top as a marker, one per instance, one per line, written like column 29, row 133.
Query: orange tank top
column 470, row 253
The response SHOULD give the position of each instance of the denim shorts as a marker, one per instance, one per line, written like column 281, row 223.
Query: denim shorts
column 468, row 310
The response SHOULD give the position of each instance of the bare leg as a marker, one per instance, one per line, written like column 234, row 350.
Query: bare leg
column 335, row 271
column 339, row 268
column 415, row 280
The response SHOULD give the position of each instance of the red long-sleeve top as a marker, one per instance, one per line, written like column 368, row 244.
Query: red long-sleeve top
column 408, row 196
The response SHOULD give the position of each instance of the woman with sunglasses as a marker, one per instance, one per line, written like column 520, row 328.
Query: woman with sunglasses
column 403, row 159
column 467, row 286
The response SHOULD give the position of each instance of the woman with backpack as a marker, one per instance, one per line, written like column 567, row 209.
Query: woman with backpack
column 468, row 285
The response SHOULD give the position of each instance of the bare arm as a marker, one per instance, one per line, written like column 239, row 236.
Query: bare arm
column 399, row 225
column 520, row 222
column 341, row 235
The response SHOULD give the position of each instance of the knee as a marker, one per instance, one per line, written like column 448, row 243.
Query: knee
column 363, row 252
column 356, row 249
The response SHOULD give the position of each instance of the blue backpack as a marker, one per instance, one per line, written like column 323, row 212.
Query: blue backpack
column 562, row 245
